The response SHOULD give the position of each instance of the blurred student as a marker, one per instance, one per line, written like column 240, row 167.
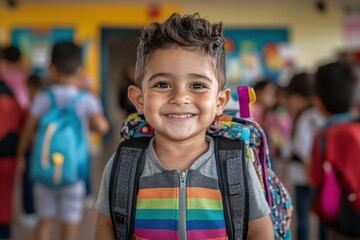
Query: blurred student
column 262, row 109
column 272, row 117
column 282, row 133
column 28, row 218
column 64, row 204
column 13, row 101
column 15, row 74
column 336, row 86
column 307, row 121
column 127, row 80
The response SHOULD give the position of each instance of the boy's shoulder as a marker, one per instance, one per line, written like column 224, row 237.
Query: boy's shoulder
column 312, row 118
column 67, row 91
column 340, row 131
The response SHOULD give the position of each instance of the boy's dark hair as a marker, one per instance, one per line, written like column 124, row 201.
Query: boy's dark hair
column 188, row 31
column 262, row 84
column 336, row 86
column 34, row 81
column 11, row 54
column 300, row 84
column 66, row 58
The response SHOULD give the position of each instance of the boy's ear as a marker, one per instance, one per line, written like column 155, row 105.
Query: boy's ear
column 136, row 97
column 317, row 103
column 80, row 72
column 222, row 100
column 52, row 72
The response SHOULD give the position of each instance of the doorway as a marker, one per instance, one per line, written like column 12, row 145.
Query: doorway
column 118, row 50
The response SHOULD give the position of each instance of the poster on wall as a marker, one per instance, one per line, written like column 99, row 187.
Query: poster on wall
column 253, row 54
column 36, row 44
column 351, row 31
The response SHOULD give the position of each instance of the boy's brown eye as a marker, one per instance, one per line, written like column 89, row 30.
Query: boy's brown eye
column 162, row 85
column 197, row 86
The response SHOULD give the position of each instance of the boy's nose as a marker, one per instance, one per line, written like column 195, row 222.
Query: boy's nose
column 179, row 97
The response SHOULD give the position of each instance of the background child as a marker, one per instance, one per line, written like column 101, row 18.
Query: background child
column 34, row 84
column 274, row 119
column 336, row 87
column 180, row 78
column 13, row 104
column 64, row 204
column 307, row 121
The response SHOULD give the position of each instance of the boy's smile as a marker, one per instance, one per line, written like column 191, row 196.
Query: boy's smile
column 180, row 94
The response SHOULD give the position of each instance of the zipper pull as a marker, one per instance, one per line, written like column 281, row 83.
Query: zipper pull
column 182, row 180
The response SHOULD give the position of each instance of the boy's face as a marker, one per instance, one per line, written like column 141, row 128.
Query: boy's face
column 179, row 95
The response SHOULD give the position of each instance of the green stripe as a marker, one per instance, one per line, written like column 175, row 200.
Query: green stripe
column 196, row 214
column 171, row 214
column 158, row 203
column 203, row 203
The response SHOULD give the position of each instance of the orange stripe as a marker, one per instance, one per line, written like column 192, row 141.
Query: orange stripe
column 158, row 193
column 196, row 192
column 193, row 192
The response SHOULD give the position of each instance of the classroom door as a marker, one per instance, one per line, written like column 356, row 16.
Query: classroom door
column 118, row 49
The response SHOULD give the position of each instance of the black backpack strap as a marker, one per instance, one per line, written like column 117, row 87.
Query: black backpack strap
column 128, row 165
column 5, row 89
column 232, row 173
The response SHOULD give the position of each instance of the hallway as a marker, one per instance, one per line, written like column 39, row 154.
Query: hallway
column 87, row 228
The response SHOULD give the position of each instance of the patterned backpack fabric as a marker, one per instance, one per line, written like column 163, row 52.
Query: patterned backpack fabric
column 251, row 133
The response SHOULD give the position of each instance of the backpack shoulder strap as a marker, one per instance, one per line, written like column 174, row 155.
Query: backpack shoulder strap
column 5, row 89
column 128, row 164
column 51, row 97
column 232, row 173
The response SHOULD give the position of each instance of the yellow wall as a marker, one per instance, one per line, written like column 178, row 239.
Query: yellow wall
column 316, row 36
column 85, row 20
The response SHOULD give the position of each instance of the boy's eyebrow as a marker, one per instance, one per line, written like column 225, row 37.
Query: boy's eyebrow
column 196, row 76
column 160, row 75
column 191, row 75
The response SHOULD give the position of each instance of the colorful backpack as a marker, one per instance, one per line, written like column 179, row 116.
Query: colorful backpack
column 123, row 196
column 335, row 173
column 60, row 153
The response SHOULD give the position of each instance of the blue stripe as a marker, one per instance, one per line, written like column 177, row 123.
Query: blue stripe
column 201, row 214
column 205, row 224
column 163, row 224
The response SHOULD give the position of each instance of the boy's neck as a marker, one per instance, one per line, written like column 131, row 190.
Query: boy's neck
column 70, row 80
column 179, row 155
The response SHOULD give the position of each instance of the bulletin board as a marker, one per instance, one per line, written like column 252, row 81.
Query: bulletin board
column 252, row 54
column 36, row 44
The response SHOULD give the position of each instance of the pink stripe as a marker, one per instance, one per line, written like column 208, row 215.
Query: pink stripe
column 156, row 234
column 207, row 234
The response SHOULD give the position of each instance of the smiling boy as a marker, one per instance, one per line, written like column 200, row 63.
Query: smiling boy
column 180, row 79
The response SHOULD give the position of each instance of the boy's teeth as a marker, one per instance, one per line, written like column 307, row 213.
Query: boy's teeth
column 180, row 115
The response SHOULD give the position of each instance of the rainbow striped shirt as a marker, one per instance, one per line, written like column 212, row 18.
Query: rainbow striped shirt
column 173, row 205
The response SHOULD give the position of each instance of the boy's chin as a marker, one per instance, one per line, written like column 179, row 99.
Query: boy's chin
column 181, row 135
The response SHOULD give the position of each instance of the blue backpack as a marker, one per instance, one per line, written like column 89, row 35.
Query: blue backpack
column 60, row 153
